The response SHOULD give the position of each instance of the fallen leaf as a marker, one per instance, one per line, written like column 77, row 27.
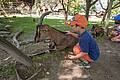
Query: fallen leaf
column 47, row 73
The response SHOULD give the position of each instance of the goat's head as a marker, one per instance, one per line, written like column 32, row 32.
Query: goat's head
column 45, row 32
column 40, row 28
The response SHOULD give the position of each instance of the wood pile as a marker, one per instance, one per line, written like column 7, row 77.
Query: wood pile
column 4, row 30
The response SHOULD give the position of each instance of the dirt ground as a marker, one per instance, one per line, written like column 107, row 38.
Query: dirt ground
column 107, row 67
column 58, row 67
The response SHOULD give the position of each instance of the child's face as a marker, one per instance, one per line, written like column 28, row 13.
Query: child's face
column 74, row 28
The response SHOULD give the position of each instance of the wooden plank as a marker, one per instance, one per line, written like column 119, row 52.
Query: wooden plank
column 17, row 54
column 4, row 32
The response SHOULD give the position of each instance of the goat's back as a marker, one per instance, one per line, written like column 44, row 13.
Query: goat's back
column 64, row 38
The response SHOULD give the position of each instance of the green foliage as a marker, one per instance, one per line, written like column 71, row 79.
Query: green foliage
column 116, row 10
column 80, row 6
column 93, row 8
column 76, row 7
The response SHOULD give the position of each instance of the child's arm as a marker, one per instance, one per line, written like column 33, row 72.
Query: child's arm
column 112, row 26
column 77, row 56
column 73, row 34
column 77, row 44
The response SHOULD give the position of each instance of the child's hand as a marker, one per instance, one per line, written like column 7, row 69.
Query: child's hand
column 70, row 56
column 68, row 32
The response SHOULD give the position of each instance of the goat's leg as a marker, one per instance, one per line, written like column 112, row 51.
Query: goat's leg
column 61, row 46
column 52, row 45
column 102, row 33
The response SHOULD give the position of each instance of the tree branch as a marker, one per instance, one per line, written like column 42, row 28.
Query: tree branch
column 101, row 5
column 116, row 5
column 93, row 2
column 63, row 5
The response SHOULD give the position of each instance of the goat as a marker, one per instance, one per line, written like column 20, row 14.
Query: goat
column 60, row 39
column 99, row 32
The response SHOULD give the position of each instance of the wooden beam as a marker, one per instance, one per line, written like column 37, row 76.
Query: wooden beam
column 17, row 54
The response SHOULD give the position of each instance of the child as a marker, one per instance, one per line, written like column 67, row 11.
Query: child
column 116, row 32
column 87, row 49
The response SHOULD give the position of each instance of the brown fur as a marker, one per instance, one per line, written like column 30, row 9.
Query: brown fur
column 61, row 39
column 99, row 32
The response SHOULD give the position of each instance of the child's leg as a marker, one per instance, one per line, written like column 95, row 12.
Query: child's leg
column 85, row 63
column 86, row 58
column 76, row 49
column 115, row 39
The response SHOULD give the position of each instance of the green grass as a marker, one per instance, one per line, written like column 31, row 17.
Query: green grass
column 7, row 70
column 29, row 27
column 27, row 24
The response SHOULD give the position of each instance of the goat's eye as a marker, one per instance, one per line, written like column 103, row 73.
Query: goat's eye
column 45, row 30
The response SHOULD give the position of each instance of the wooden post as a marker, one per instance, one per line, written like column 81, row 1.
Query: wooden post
column 17, row 54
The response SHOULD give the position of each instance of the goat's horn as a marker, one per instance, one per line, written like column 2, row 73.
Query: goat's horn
column 42, row 17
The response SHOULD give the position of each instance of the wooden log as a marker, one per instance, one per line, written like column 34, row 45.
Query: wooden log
column 4, row 32
column 17, row 54
column 34, row 75
column 15, row 38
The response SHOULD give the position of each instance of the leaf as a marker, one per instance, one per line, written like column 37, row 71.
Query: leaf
column 47, row 73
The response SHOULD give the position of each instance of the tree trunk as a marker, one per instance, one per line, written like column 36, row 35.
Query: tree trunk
column 103, row 19
column 66, row 16
column 87, row 8
column 17, row 54
column 87, row 12
column 109, row 12
column 89, row 4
